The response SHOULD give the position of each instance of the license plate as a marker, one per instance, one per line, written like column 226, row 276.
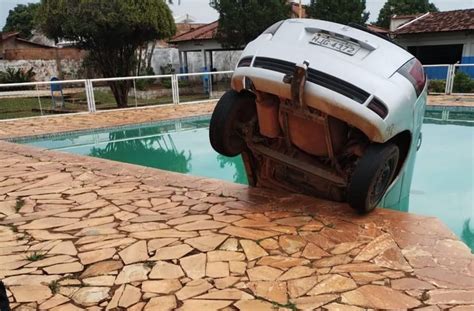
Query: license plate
column 332, row 43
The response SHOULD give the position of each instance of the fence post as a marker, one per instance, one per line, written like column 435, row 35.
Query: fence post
column 90, row 96
column 39, row 100
column 450, row 80
column 135, row 93
column 175, row 89
column 209, row 81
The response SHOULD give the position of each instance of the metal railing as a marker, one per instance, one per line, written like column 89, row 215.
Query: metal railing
column 33, row 99
column 445, row 73
column 462, row 86
column 438, row 78
column 20, row 100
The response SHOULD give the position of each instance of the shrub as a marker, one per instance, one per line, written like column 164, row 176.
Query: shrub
column 17, row 76
column 143, row 84
column 437, row 86
column 11, row 75
column 463, row 83
column 166, row 70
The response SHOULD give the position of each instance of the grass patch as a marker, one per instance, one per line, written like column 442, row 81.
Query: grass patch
column 13, row 228
column 18, row 108
column 54, row 286
column 29, row 107
column 288, row 305
column 19, row 204
column 276, row 305
column 35, row 256
column 23, row 237
column 11, row 108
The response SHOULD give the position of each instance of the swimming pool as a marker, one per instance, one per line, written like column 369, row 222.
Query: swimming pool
column 443, row 181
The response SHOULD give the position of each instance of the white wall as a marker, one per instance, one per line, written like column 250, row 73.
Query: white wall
column 397, row 22
column 46, row 69
column 72, row 69
column 223, row 60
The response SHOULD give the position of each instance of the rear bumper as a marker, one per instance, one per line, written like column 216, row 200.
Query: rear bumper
column 321, row 98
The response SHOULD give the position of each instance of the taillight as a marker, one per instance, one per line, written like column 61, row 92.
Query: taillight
column 378, row 107
column 413, row 71
column 245, row 61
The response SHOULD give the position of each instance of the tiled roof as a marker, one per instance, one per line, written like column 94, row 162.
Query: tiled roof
column 186, row 27
column 205, row 32
column 458, row 20
column 7, row 35
column 378, row 29
column 35, row 43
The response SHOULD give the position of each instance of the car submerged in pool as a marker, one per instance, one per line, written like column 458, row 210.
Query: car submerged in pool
column 324, row 109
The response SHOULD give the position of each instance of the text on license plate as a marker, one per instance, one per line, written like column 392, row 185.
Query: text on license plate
column 335, row 44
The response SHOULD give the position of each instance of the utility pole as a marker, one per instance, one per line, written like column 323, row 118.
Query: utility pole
column 300, row 11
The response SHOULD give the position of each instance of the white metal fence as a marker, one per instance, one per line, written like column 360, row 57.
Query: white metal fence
column 456, row 79
column 19, row 100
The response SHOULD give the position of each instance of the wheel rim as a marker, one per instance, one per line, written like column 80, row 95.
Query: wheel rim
column 382, row 182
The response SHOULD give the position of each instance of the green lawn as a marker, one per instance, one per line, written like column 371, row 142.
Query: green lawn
column 23, row 107
column 29, row 107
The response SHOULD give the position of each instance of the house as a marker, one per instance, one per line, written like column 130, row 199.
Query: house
column 379, row 30
column 437, row 37
column 10, row 41
column 201, row 39
column 185, row 23
column 46, row 60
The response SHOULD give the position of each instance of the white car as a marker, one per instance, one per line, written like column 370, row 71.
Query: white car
column 324, row 109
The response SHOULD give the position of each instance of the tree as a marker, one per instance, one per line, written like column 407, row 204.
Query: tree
column 21, row 19
column 156, row 151
column 242, row 21
column 343, row 12
column 110, row 30
column 403, row 7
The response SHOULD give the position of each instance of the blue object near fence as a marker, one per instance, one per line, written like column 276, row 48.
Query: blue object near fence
column 437, row 73
column 55, row 98
column 56, row 87
column 469, row 70
column 205, row 81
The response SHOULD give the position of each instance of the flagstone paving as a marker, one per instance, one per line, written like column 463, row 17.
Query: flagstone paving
column 83, row 233
column 80, row 233
column 86, row 121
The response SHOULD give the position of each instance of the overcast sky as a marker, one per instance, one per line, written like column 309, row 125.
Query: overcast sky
column 200, row 9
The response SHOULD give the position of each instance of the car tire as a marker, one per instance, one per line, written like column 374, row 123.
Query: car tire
column 232, row 109
column 372, row 176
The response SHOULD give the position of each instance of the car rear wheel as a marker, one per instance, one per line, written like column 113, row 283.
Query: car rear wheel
column 233, row 109
column 372, row 176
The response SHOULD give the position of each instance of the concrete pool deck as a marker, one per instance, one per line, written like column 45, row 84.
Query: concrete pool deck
column 85, row 233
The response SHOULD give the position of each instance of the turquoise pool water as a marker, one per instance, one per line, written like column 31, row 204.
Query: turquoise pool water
column 443, row 182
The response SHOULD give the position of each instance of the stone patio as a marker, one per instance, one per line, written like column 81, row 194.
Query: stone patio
column 84, row 233
column 451, row 100
column 85, row 121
